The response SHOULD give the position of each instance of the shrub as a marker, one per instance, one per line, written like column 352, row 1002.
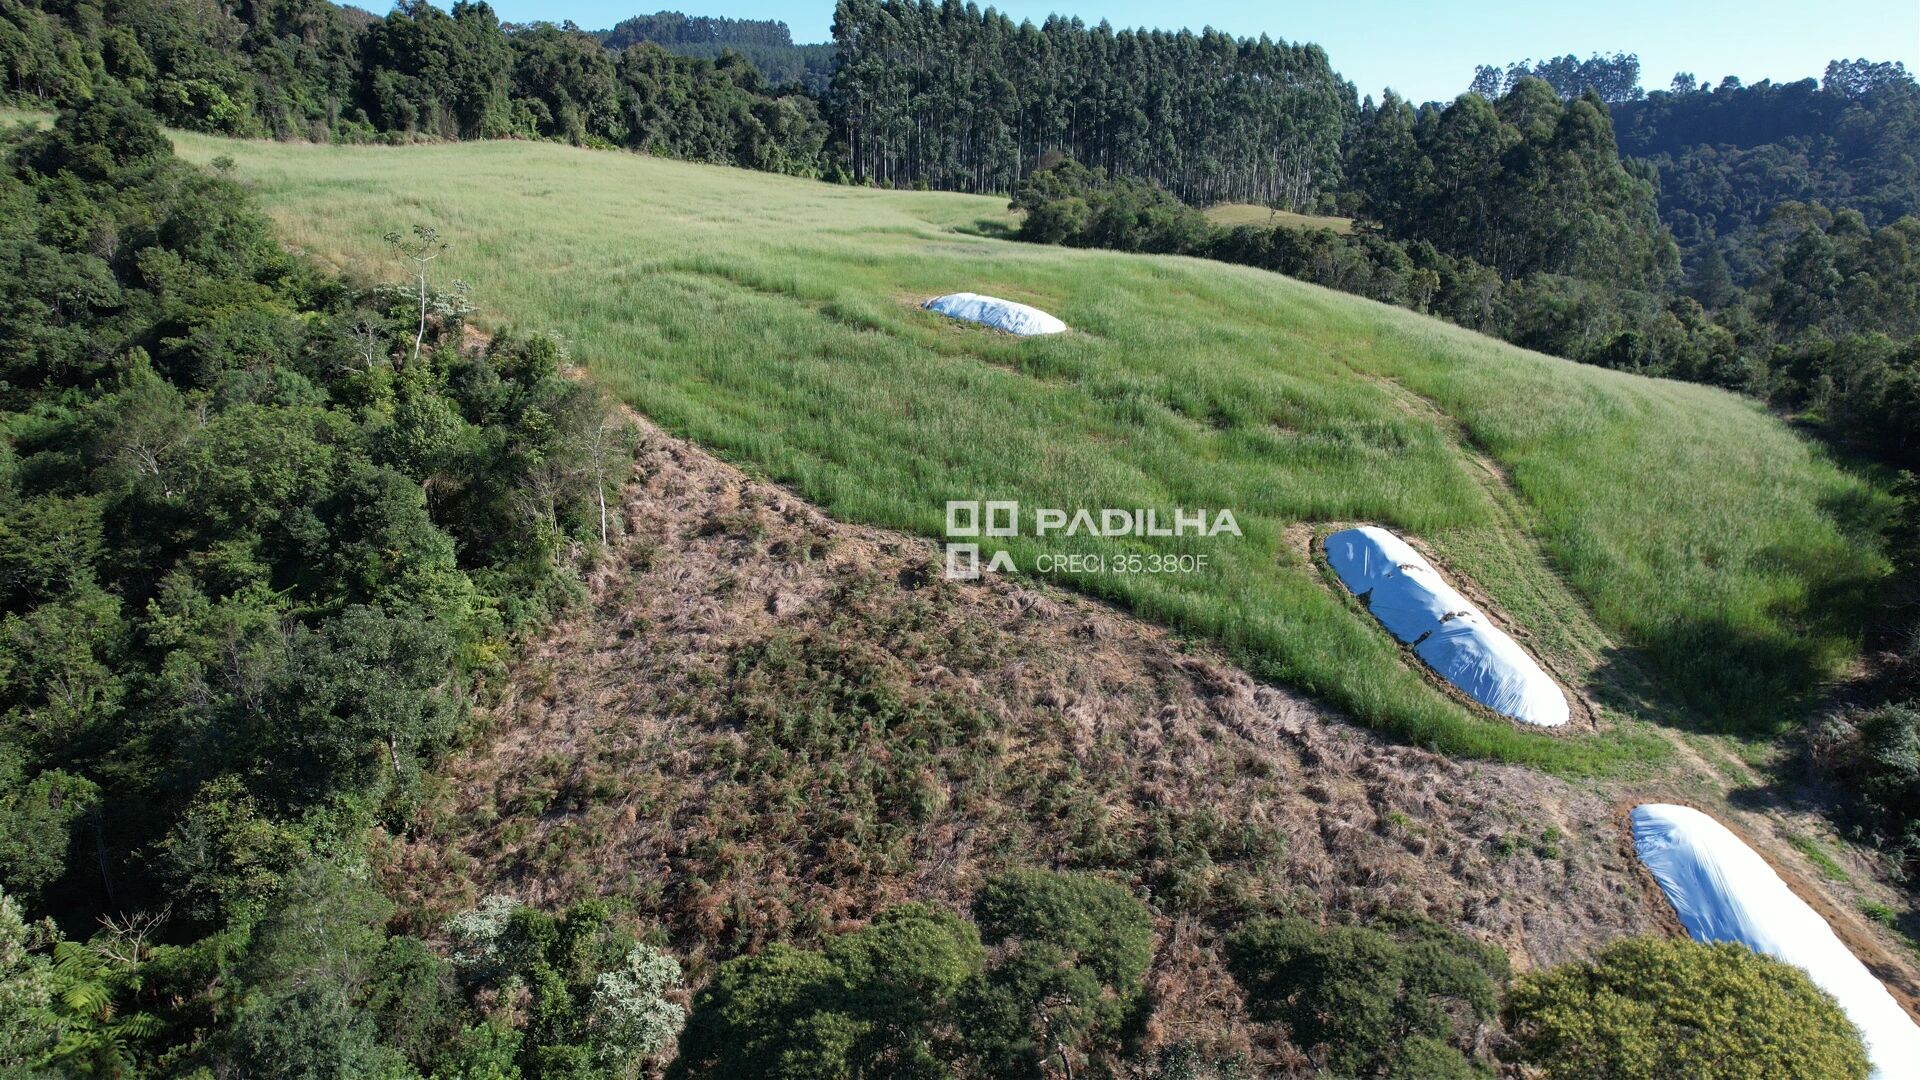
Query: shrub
column 913, row 995
column 1097, row 922
column 630, row 1017
column 1073, row 955
column 598, row 1004
column 1391, row 1001
column 29, row 1029
column 1649, row 1009
column 1876, row 754
column 879, row 1001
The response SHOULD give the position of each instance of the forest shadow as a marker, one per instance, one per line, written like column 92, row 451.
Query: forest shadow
column 990, row 228
column 1710, row 676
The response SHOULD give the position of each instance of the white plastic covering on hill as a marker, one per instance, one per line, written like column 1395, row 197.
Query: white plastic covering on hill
column 1446, row 630
column 997, row 313
column 1724, row 891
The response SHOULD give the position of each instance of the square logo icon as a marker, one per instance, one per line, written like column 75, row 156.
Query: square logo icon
column 963, row 562
column 1003, row 518
column 963, row 518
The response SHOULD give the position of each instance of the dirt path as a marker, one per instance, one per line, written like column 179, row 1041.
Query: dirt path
column 1541, row 584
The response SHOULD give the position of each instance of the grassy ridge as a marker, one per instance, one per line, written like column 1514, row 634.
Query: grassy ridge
column 774, row 320
column 1231, row 214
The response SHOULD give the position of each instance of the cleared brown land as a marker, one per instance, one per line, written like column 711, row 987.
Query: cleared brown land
column 766, row 725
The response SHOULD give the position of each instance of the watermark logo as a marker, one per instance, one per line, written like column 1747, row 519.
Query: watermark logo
column 971, row 520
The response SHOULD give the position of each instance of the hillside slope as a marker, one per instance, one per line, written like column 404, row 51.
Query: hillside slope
column 775, row 320
column 766, row 726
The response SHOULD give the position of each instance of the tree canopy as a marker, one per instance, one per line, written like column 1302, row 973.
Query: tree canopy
column 257, row 553
column 310, row 69
column 1653, row 1008
column 947, row 96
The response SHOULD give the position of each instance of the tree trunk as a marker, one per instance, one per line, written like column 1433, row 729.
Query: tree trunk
column 422, row 334
column 100, row 854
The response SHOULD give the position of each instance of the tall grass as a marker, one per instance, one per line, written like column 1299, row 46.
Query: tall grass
column 1232, row 214
column 774, row 320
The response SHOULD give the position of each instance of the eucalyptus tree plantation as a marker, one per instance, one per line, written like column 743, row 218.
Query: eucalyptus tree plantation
column 950, row 97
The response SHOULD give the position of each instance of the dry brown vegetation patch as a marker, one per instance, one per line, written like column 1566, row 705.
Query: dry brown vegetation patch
column 766, row 725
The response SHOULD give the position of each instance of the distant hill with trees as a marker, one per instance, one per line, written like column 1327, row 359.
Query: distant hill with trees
column 1729, row 156
column 766, row 43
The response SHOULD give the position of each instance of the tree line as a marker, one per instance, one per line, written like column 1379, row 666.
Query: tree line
column 309, row 69
column 1614, row 79
column 766, row 43
column 947, row 96
column 921, row 95
column 1517, row 218
column 264, row 538
column 674, row 28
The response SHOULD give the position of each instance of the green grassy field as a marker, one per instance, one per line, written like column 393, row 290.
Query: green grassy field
column 775, row 321
column 24, row 116
column 1256, row 214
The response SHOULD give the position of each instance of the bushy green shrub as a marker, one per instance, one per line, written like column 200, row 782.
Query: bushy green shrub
column 878, row 1001
column 1067, row 203
column 1072, row 951
column 1651, row 1009
column 1400, row 1000
column 599, row 1003
column 1876, row 754
column 916, row 994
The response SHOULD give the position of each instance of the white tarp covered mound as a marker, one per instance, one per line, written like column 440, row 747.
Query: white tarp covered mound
column 1446, row 630
column 1724, row 891
column 997, row 313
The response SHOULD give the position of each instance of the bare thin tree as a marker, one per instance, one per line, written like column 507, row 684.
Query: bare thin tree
column 424, row 247
column 366, row 335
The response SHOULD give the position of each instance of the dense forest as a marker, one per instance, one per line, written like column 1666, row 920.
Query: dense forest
column 920, row 94
column 263, row 539
column 1728, row 156
column 308, row 69
column 950, row 97
column 766, row 43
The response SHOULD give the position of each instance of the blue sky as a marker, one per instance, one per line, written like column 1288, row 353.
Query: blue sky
column 1426, row 51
